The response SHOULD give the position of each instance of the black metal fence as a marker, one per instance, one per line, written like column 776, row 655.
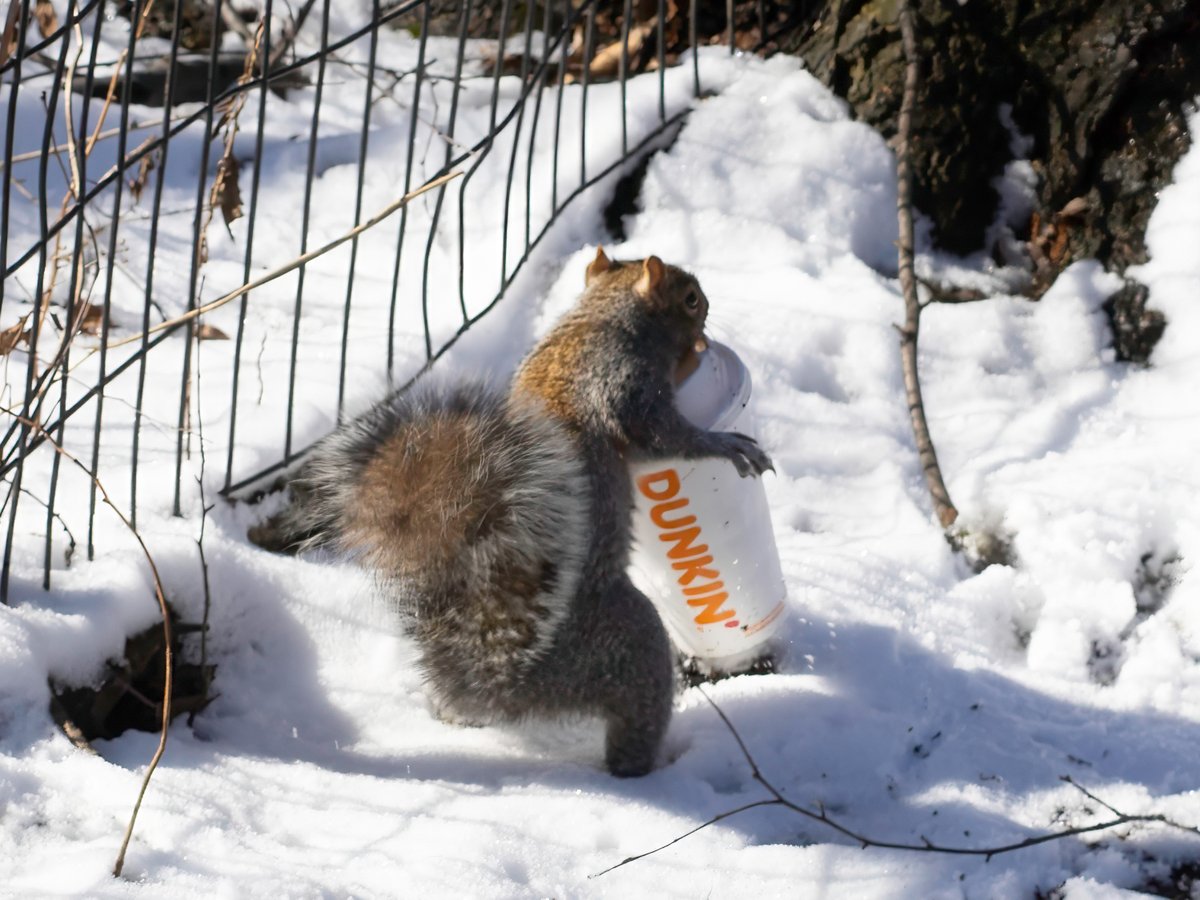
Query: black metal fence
column 218, row 219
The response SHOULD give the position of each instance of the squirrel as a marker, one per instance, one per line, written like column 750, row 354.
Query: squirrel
column 501, row 524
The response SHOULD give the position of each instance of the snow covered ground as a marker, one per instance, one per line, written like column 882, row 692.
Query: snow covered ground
column 916, row 698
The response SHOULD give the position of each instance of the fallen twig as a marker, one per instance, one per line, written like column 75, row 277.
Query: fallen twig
column 819, row 814
column 168, row 656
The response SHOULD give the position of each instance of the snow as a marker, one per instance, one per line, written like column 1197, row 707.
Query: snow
column 916, row 699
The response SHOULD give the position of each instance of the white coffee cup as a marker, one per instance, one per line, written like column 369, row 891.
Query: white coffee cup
column 704, row 551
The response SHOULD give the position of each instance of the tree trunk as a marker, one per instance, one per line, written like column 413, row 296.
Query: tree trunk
column 1099, row 86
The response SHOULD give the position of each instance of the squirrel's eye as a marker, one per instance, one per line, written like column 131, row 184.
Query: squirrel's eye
column 691, row 300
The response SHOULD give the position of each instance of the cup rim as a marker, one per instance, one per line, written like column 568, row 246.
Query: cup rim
column 733, row 408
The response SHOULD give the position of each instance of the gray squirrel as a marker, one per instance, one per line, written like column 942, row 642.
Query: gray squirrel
column 500, row 524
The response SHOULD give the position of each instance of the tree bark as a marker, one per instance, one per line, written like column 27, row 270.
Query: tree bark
column 1100, row 89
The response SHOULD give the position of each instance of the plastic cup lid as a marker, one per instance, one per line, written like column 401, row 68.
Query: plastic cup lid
column 715, row 394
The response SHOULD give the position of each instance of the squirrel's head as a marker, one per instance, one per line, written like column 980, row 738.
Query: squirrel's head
column 671, row 296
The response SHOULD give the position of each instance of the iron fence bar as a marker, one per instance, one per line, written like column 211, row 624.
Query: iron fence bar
column 310, row 171
column 106, row 309
column 441, row 194
column 498, row 70
column 200, row 222
column 533, row 124
column 661, row 41
column 358, row 199
column 40, row 388
column 159, row 186
column 408, row 166
column 512, row 162
column 623, row 74
column 74, row 286
column 35, row 329
column 589, row 46
column 9, row 138
column 251, row 218
column 558, row 98
column 608, row 170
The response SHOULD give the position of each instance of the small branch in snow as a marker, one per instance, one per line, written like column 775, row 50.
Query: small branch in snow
column 942, row 504
column 168, row 656
column 819, row 814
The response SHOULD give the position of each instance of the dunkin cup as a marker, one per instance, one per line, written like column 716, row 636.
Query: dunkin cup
column 704, row 551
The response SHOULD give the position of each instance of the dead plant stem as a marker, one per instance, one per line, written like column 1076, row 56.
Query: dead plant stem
column 168, row 660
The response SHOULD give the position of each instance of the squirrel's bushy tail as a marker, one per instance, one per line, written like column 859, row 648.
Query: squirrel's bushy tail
column 474, row 512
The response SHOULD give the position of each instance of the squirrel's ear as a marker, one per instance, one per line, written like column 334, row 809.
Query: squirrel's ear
column 597, row 266
column 653, row 271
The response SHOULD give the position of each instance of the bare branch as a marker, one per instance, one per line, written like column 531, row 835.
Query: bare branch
column 926, row 846
column 942, row 504
column 713, row 821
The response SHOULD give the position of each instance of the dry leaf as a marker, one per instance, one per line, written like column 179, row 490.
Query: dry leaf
column 227, row 194
column 138, row 184
column 607, row 61
column 90, row 318
column 47, row 20
column 8, row 38
column 206, row 332
column 1058, row 247
column 14, row 335
column 1076, row 206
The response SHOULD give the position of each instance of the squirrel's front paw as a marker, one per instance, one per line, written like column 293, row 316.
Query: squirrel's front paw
column 745, row 454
